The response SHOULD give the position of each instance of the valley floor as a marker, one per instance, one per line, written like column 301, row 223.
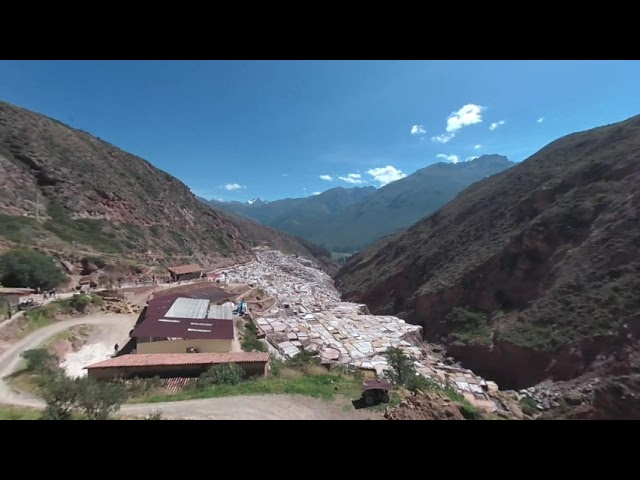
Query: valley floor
column 298, row 308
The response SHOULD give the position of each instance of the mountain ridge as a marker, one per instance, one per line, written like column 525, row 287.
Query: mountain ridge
column 63, row 190
column 527, row 276
column 347, row 219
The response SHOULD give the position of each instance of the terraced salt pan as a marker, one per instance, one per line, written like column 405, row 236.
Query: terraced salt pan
column 340, row 332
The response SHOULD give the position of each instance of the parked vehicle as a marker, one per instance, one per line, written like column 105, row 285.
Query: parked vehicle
column 376, row 391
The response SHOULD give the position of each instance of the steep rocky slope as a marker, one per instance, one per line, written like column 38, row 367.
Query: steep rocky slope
column 530, row 275
column 64, row 190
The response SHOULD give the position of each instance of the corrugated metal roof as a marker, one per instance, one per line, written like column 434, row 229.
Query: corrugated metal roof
column 162, row 359
column 221, row 312
column 151, row 326
column 188, row 308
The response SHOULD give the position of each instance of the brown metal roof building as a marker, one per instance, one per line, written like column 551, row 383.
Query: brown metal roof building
column 176, row 365
column 183, row 323
column 185, row 272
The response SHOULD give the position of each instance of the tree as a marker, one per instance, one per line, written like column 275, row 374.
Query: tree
column 39, row 360
column 100, row 400
column 29, row 269
column 402, row 370
column 60, row 393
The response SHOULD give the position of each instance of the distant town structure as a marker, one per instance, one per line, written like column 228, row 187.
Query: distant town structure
column 185, row 272
column 185, row 323
column 13, row 296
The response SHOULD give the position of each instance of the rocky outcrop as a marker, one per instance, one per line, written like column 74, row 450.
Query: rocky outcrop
column 527, row 275
column 426, row 406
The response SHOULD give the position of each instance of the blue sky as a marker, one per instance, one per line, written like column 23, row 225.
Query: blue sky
column 236, row 130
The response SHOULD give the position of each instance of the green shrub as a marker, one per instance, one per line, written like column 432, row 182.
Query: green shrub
column 528, row 405
column 402, row 370
column 80, row 302
column 39, row 360
column 30, row 269
column 60, row 394
column 468, row 327
column 303, row 359
column 99, row 400
column 97, row 300
column 225, row 374
column 250, row 342
column 276, row 367
column 137, row 387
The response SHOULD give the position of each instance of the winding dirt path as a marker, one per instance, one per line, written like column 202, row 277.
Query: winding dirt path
column 253, row 407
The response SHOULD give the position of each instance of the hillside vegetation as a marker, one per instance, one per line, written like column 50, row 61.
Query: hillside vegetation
column 64, row 190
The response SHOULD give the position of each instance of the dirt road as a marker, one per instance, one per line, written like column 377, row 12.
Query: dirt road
column 252, row 407
column 256, row 407
column 10, row 358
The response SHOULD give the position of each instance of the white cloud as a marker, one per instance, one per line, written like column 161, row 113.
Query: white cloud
column 449, row 158
column 284, row 174
column 317, row 193
column 540, row 120
column 495, row 125
column 477, row 147
column 443, row 138
column 469, row 114
column 233, row 186
column 385, row 175
column 354, row 178
column 328, row 178
column 418, row 130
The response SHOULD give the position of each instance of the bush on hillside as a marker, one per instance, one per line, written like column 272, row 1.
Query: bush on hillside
column 402, row 371
column 250, row 342
column 39, row 360
column 30, row 269
column 60, row 394
column 225, row 374
column 64, row 395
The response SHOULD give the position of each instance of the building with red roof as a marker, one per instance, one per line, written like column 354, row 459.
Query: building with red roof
column 174, row 365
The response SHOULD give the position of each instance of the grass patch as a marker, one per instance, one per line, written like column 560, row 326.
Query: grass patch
column 470, row 412
column 469, row 327
column 36, row 319
column 325, row 386
column 20, row 230
column 18, row 413
column 24, row 381
column 539, row 337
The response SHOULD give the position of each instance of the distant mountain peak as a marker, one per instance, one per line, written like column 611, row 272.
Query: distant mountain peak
column 256, row 201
